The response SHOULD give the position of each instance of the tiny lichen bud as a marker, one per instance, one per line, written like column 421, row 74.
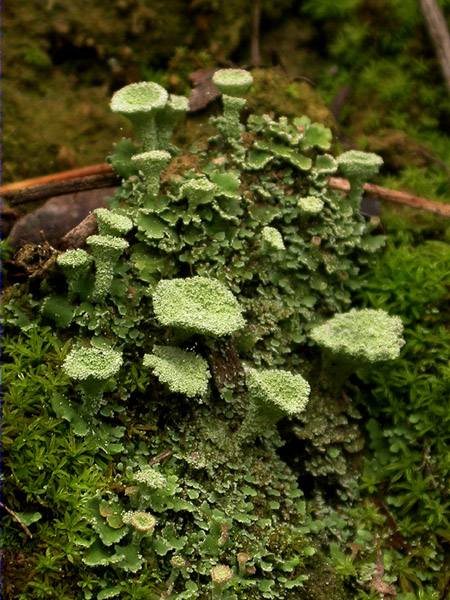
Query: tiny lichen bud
column 198, row 304
column 221, row 574
column 310, row 205
column 92, row 367
column 73, row 259
column 273, row 238
column 174, row 110
column 75, row 264
column 280, row 390
column 151, row 478
column 98, row 363
column 199, row 191
column 355, row 164
column 178, row 562
column 151, row 164
column 110, row 223
column 242, row 559
column 357, row 167
column 141, row 521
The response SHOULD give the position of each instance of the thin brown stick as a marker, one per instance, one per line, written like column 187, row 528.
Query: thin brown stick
column 31, row 193
column 76, row 237
column 16, row 518
column 438, row 32
column 163, row 456
column 102, row 175
column 98, row 169
column 255, row 50
column 438, row 208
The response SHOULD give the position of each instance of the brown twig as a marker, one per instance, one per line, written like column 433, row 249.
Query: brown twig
column 68, row 182
column 438, row 32
column 76, row 237
column 405, row 198
column 161, row 457
column 255, row 50
column 16, row 518
column 102, row 175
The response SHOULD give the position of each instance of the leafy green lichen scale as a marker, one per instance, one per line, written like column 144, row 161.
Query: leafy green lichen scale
column 96, row 363
column 199, row 304
column 367, row 335
column 184, row 372
column 281, row 389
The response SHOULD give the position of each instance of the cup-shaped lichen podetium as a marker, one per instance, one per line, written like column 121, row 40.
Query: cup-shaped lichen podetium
column 221, row 575
column 150, row 165
column 111, row 223
column 197, row 305
column 274, row 393
column 172, row 114
column 75, row 264
column 233, row 83
column 142, row 522
column 310, row 205
column 91, row 368
column 106, row 250
column 141, row 103
column 199, row 191
column 357, row 167
column 355, row 340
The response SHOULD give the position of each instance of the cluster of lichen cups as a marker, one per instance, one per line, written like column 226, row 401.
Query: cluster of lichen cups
column 198, row 304
column 205, row 307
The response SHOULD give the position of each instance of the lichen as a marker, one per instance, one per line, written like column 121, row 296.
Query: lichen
column 184, row 372
column 197, row 501
column 198, row 304
column 362, row 336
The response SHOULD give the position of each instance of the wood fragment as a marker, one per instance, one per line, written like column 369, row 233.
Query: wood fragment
column 255, row 50
column 396, row 196
column 378, row 584
column 159, row 458
column 439, row 34
column 76, row 237
column 16, row 518
column 29, row 191
column 97, row 169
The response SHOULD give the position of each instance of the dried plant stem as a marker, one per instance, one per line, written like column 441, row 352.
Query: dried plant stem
column 16, row 518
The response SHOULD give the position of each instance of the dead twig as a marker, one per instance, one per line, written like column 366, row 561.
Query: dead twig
column 378, row 584
column 26, row 191
column 438, row 32
column 16, row 518
column 438, row 208
column 68, row 182
column 255, row 49
column 159, row 458
column 76, row 237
